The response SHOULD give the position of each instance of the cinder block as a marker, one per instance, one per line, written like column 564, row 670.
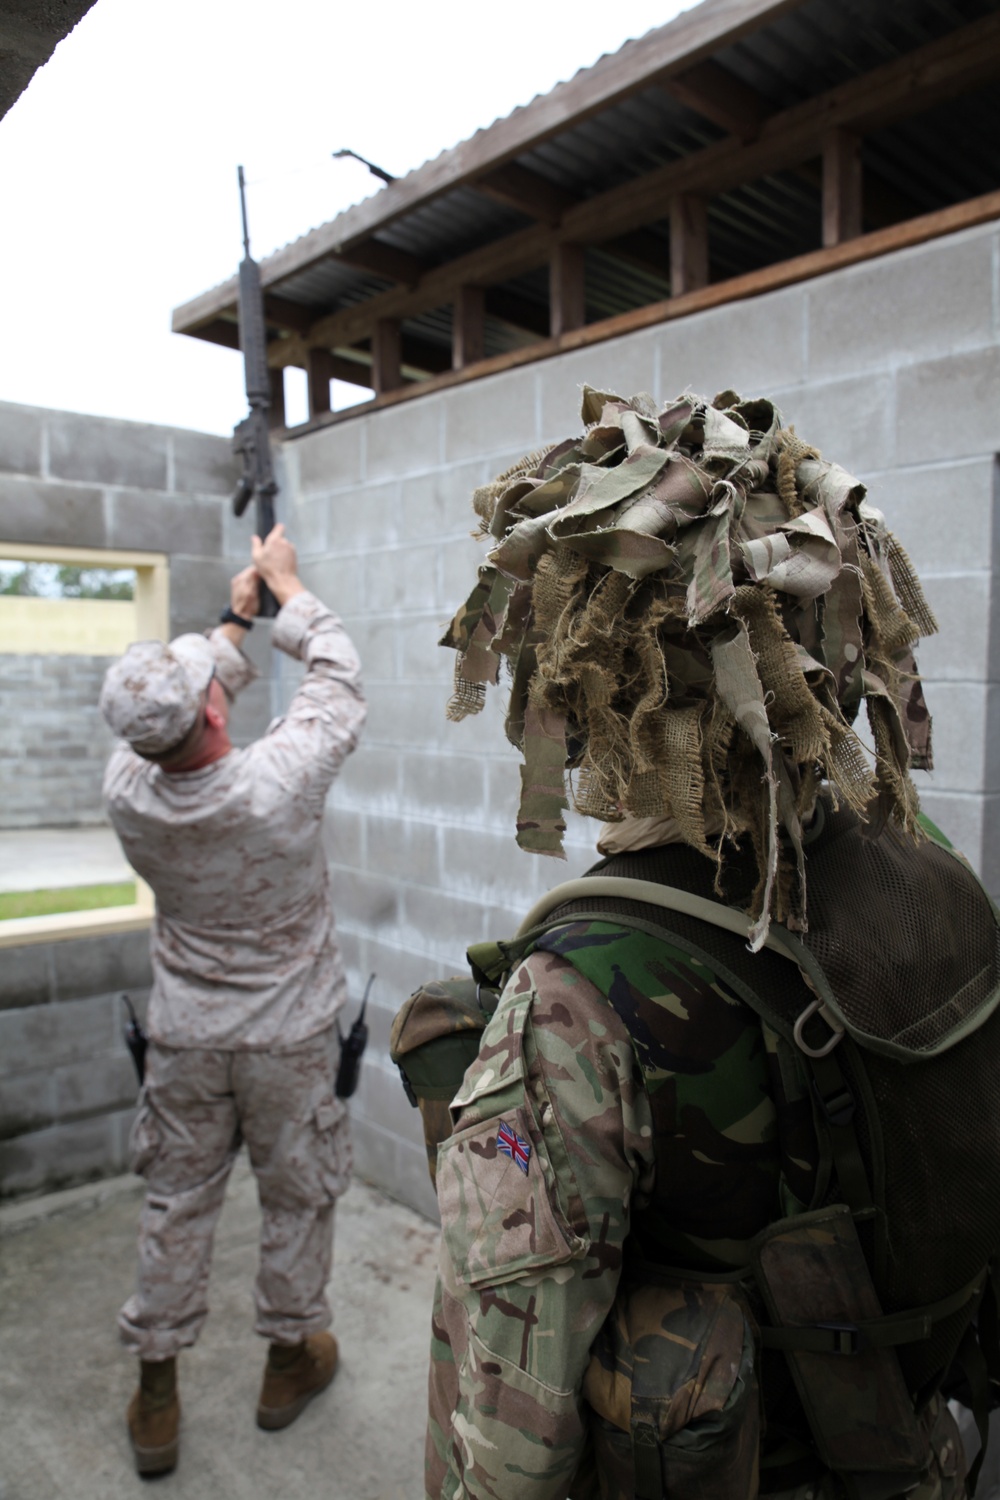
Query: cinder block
column 458, row 562
column 483, row 866
column 439, row 505
column 365, row 904
column 626, row 366
column 147, row 521
column 963, row 714
column 338, row 581
column 94, row 1086
column 421, row 658
column 400, row 579
column 752, row 347
column 966, row 647
column 308, row 530
column 330, row 458
column 63, row 515
column 199, row 589
column 370, row 780
column 250, row 714
column 99, row 450
column 100, row 965
column 203, row 464
column 849, row 422
column 405, row 439
column 27, row 1102
column 947, row 408
column 46, row 1035
column 943, row 514
column 444, row 787
column 25, row 976
column 491, row 415
column 444, row 925
column 380, row 1099
column 378, row 641
column 901, row 307
column 20, row 439
column 400, row 970
column 343, row 837
column 374, row 1151
column 405, row 715
column 402, row 850
column 59, row 1156
column 237, row 531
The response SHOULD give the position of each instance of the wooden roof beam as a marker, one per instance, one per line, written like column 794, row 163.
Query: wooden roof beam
column 915, row 82
column 902, row 87
column 525, row 191
column 711, row 91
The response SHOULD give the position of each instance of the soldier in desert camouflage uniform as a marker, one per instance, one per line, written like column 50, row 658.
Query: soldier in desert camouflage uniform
column 628, row 1112
column 247, row 983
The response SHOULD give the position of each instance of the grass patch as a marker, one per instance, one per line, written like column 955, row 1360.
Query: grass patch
column 73, row 898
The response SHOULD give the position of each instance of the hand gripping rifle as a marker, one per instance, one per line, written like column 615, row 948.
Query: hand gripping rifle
column 251, row 438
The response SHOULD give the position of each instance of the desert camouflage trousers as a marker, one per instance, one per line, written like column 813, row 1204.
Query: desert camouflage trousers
column 196, row 1109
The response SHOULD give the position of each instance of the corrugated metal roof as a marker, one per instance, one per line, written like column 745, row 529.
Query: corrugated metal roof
column 912, row 166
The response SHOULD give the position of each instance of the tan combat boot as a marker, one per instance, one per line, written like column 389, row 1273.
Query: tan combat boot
column 154, row 1416
column 293, row 1375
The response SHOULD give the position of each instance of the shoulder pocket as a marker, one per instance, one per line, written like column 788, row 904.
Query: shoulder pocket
column 500, row 1209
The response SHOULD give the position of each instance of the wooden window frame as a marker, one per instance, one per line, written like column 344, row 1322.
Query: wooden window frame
column 152, row 607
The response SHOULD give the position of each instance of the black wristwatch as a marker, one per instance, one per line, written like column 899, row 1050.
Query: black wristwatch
column 230, row 617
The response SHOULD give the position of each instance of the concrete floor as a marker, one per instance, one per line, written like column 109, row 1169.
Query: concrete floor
column 45, row 859
column 66, row 1265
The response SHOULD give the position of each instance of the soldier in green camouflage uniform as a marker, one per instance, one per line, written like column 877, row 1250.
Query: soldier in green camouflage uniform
column 531, row 1261
column 773, row 595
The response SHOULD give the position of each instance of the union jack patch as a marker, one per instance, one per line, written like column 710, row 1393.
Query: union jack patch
column 514, row 1146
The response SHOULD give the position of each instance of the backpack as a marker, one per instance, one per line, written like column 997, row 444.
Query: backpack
column 903, row 1068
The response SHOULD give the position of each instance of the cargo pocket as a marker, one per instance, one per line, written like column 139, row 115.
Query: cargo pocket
column 673, row 1389
column 144, row 1137
column 500, row 1208
column 333, row 1147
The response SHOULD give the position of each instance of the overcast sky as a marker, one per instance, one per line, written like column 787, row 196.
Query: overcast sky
column 118, row 165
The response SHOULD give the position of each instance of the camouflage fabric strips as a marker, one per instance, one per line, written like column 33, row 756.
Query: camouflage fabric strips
column 689, row 597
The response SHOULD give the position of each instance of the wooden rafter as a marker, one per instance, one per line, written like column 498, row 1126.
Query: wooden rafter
column 567, row 299
column 688, row 244
column 468, row 327
column 842, row 186
column 756, row 283
column 718, row 95
column 909, row 84
column 518, row 188
column 387, row 356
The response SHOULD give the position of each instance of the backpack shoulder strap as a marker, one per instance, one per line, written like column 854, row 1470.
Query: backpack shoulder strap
column 670, row 897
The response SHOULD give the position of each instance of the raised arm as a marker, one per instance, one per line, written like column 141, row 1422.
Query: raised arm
column 325, row 717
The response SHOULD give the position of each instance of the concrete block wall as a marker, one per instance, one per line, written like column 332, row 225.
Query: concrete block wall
column 69, row 480
column 67, row 1086
column 54, row 742
column 891, row 368
column 67, row 1083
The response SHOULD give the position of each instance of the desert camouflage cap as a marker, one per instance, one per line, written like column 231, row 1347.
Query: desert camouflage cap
column 151, row 695
column 693, row 605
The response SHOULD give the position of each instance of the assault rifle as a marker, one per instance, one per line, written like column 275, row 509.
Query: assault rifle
column 251, row 438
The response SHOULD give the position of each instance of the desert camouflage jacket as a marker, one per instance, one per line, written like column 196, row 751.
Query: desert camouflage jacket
column 243, row 944
column 560, row 1135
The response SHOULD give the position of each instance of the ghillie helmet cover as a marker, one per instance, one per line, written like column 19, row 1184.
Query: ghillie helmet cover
column 693, row 604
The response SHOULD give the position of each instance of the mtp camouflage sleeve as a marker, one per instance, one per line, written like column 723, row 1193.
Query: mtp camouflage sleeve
column 553, row 1136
